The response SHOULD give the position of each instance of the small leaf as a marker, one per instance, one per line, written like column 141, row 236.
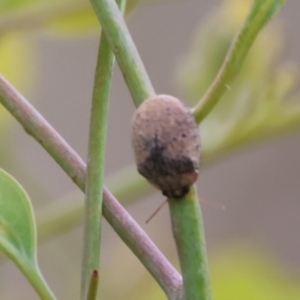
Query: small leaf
column 18, row 233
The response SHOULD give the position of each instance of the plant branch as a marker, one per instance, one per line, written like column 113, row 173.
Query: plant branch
column 121, row 43
column 125, row 226
column 95, row 166
column 260, row 13
column 93, row 286
column 37, row 281
column 96, row 163
column 188, row 232
column 64, row 213
column 282, row 121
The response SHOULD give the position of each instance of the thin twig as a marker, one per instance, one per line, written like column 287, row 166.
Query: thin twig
column 260, row 13
column 66, row 212
column 96, row 163
column 125, row 226
column 93, row 286
column 95, row 167
column 128, row 58
column 188, row 232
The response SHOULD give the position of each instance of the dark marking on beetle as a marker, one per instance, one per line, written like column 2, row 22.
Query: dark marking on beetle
column 165, row 171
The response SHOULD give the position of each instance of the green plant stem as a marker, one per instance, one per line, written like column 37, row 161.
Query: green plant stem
column 31, row 271
column 284, row 121
column 93, row 286
column 96, row 162
column 121, row 43
column 128, row 185
column 125, row 226
column 40, row 285
column 95, row 166
column 29, row 267
column 66, row 212
column 260, row 13
column 188, row 232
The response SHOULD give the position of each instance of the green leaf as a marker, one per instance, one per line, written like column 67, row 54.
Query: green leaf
column 18, row 233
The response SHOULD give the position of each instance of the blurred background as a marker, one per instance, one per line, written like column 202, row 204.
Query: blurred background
column 254, row 244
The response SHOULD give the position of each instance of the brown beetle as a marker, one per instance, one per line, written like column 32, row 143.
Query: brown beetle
column 166, row 144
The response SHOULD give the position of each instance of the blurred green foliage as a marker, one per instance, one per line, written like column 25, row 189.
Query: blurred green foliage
column 67, row 18
column 243, row 271
column 260, row 103
column 14, row 47
column 239, row 270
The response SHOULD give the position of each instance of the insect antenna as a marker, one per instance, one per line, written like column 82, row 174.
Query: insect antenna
column 156, row 211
